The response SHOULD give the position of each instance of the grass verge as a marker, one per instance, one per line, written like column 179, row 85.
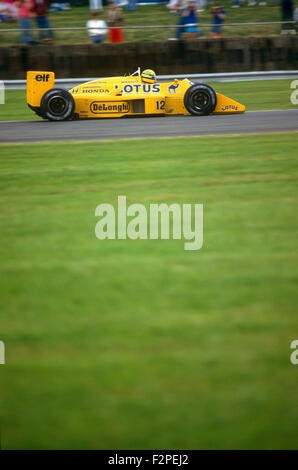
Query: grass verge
column 139, row 344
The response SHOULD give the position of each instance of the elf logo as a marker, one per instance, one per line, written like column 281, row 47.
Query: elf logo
column 42, row 77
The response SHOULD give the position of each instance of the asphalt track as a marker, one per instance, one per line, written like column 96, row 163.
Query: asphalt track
column 169, row 126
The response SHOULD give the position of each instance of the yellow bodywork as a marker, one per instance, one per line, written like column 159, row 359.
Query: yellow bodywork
column 124, row 96
column 37, row 84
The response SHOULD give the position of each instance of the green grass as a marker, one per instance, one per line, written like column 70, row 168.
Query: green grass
column 156, row 15
column 258, row 95
column 139, row 344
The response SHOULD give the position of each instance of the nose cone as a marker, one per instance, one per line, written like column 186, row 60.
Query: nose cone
column 226, row 105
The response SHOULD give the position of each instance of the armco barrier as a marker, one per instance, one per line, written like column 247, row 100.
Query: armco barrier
column 203, row 77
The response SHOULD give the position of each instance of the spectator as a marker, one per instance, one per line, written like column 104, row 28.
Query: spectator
column 41, row 11
column 5, row 13
column 237, row 3
column 176, row 7
column 190, row 20
column 218, row 17
column 295, row 18
column 60, row 5
column 201, row 4
column 115, row 21
column 13, row 9
column 97, row 29
column 131, row 5
column 252, row 3
column 8, row 11
column 25, row 14
column 287, row 11
column 95, row 5
column 172, row 5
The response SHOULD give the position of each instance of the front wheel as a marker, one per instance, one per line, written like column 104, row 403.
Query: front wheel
column 57, row 104
column 200, row 99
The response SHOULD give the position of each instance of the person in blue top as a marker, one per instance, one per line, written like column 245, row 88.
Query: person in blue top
column 218, row 17
column 190, row 18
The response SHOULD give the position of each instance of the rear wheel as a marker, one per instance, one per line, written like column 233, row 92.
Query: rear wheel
column 57, row 104
column 200, row 99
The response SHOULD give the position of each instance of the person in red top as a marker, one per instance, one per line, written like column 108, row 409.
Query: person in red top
column 25, row 14
column 41, row 10
column 115, row 21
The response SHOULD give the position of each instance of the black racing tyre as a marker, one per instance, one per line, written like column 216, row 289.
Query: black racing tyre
column 57, row 104
column 200, row 99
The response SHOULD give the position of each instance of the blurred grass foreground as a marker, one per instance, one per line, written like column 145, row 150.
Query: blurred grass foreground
column 122, row 344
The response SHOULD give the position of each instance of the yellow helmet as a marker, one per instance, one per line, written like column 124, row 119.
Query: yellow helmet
column 148, row 76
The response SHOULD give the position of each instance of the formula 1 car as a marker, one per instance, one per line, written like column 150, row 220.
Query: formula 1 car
column 134, row 95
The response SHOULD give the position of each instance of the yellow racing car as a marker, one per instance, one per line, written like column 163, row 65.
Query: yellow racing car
column 138, row 94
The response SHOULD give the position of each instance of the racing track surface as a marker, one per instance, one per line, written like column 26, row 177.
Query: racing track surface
column 169, row 126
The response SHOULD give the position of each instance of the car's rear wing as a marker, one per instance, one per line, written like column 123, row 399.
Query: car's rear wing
column 37, row 84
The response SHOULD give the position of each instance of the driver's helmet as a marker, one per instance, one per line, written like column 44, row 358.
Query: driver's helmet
column 148, row 76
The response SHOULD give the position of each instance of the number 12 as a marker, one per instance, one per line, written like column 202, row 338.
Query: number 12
column 160, row 105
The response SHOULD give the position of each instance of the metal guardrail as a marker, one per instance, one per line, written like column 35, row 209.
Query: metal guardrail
column 174, row 26
column 236, row 76
column 203, row 77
